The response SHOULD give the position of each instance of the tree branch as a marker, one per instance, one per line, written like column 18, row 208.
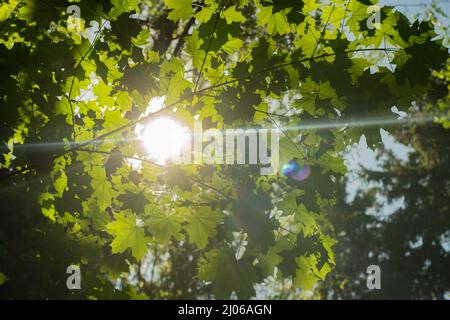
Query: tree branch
column 199, row 92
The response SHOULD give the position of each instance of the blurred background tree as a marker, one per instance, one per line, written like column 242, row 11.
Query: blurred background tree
column 412, row 244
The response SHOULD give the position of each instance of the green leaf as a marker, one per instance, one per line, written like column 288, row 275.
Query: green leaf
column 193, row 48
column 278, row 24
column 49, row 213
column 175, row 86
column 124, row 101
column 334, row 163
column 142, row 38
column 288, row 151
column 275, row 22
column 228, row 274
column 307, row 103
column 63, row 107
column 308, row 43
column 98, row 218
column 103, row 93
column 121, row 6
column 6, row 9
column 181, row 9
column 102, row 188
column 202, row 225
column 37, row 11
column 113, row 120
column 264, row 15
column 3, row 278
column 288, row 204
column 127, row 234
column 60, row 184
column 210, row 7
column 232, row 44
column 305, row 277
column 163, row 225
column 306, row 219
column 231, row 15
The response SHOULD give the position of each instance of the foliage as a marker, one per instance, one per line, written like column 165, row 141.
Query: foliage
column 73, row 90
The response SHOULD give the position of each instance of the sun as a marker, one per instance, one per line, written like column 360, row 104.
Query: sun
column 164, row 138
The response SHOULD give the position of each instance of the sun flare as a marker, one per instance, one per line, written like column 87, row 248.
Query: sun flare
column 164, row 138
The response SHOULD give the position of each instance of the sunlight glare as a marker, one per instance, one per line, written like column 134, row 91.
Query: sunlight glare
column 164, row 138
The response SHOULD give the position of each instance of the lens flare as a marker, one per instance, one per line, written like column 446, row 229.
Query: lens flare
column 295, row 171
